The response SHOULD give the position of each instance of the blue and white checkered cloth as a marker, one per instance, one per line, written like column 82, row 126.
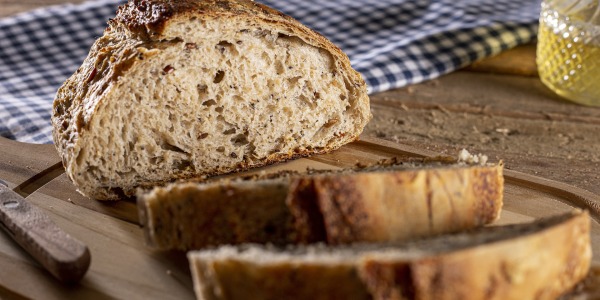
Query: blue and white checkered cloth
column 392, row 43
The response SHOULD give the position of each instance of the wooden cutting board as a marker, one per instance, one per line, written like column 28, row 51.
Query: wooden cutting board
column 122, row 267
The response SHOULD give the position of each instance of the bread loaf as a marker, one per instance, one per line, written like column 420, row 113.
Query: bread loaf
column 176, row 89
column 391, row 201
column 539, row 260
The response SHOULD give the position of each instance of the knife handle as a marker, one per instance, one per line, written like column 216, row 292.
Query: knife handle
column 62, row 255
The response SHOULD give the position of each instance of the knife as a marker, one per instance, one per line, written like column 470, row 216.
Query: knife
column 65, row 257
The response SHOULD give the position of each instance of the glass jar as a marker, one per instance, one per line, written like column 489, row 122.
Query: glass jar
column 568, row 50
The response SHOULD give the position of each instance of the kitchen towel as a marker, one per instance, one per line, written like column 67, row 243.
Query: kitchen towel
column 392, row 43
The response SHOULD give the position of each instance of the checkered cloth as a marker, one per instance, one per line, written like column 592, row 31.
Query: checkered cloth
column 392, row 43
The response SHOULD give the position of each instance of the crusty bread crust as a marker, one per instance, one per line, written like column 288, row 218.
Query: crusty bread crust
column 151, row 18
column 337, row 208
column 540, row 266
column 142, row 27
column 538, row 260
column 398, row 206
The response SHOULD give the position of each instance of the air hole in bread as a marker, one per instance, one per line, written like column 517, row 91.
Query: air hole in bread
column 191, row 46
column 251, row 150
column 219, row 109
column 279, row 68
column 210, row 102
column 229, row 131
column 288, row 39
column 240, row 140
column 170, row 147
column 265, row 56
column 261, row 33
column 309, row 102
column 331, row 122
column 272, row 109
column 183, row 165
column 223, row 46
column 80, row 157
column 219, row 76
column 298, row 136
column 202, row 91
column 294, row 80
column 59, row 110
column 119, row 191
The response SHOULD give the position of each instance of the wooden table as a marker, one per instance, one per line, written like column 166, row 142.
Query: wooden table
column 497, row 107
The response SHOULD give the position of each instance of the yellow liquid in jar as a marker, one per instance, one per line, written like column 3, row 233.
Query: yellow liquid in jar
column 568, row 57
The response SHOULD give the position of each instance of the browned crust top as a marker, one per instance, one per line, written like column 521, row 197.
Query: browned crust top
column 151, row 16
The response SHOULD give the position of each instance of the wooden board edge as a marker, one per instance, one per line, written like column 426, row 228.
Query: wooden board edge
column 575, row 196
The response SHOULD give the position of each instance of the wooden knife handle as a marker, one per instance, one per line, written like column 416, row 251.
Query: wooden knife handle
column 62, row 255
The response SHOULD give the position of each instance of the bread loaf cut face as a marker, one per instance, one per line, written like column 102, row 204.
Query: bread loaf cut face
column 176, row 89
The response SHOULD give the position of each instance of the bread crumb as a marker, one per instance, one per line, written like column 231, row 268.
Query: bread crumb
column 465, row 157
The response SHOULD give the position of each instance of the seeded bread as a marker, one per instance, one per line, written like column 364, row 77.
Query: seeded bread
column 539, row 260
column 177, row 89
column 390, row 201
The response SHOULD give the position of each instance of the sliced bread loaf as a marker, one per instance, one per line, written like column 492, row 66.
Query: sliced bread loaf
column 539, row 260
column 177, row 89
column 391, row 201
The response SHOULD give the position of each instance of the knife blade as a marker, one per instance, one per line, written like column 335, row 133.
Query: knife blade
column 65, row 257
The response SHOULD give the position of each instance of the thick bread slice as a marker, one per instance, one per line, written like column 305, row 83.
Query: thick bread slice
column 391, row 201
column 539, row 260
column 176, row 89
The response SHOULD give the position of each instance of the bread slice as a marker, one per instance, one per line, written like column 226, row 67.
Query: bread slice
column 539, row 260
column 391, row 201
column 176, row 89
